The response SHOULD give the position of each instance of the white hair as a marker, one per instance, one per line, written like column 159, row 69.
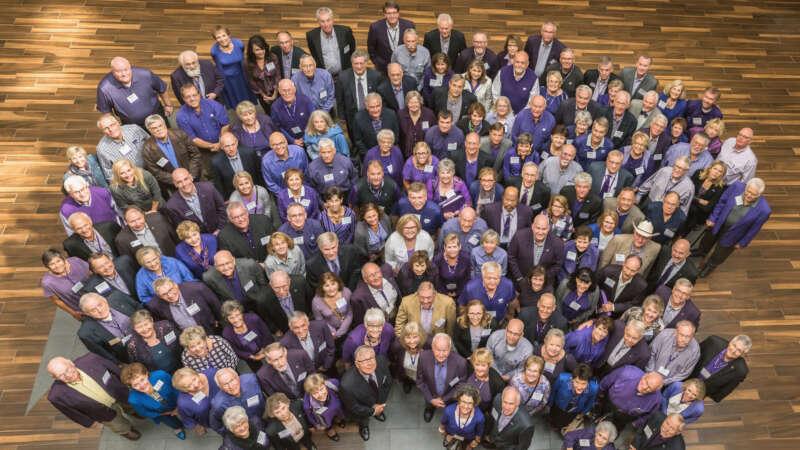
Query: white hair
column 444, row 17
column 757, row 182
column 187, row 52
column 74, row 183
column 374, row 315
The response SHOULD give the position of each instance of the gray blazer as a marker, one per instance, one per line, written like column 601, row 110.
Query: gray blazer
column 636, row 109
column 486, row 146
column 594, row 298
column 263, row 198
column 648, row 83
column 361, row 235
column 635, row 215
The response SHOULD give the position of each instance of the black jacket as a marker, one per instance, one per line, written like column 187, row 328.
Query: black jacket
column 345, row 39
column 75, row 246
column 231, row 239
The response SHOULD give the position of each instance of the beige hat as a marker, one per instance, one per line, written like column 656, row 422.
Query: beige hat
column 645, row 228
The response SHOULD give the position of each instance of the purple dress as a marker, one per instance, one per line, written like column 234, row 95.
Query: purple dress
column 232, row 67
column 453, row 201
column 412, row 174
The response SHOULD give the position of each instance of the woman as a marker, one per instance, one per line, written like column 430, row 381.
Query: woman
column 85, row 166
column 228, row 55
column 577, row 296
column 287, row 427
column 462, row 421
column 485, row 378
column 488, row 250
column 336, row 217
column 436, row 75
column 154, row 265
column 297, row 192
column 708, row 189
column 637, row 159
column 255, row 198
column 242, row 432
column 676, row 131
column 606, row 227
column 320, row 125
column 614, row 86
column 572, row 396
column 536, row 286
column 560, row 217
column 556, row 359
column 672, row 102
column 405, row 353
column 374, row 332
column 253, row 129
column 322, row 406
column 583, row 123
column 415, row 120
column 485, row 189
column 685, row 399
column 579, row 252
column 552, row 147
column 480, row 85
column 534, row 389
column 650, row 314
column 517, row 157
column 284, row 255
column 201, row 352
column 388, row 154
column 473, row 327
column 587, row 345
column 600, row 437
column 454, row 267
column 196, row 390
column 195, row 250
column 473, row 121
column 415, row 271
column 407, row 238
column 372, row 231
column 332, row 305
column 64, row 281
column 155, row 345
column 262, row 71
column 510, row 49
column 134, row 186
column 419, row 167
column 246, row 333
column 552, row 91
column 448, row 190
column 501, row 112
column 152, row 395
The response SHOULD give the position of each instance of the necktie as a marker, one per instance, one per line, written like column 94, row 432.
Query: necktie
column 524, row 199
column 289, row 382
column 606, row 184
column 665, row 275
column 376, row 125
column 196, row 82
column 360, row 94
column 373, row 383
column 335, row 267
column 507, row 225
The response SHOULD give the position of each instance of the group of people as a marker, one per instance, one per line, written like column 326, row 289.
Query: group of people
column 509, row 235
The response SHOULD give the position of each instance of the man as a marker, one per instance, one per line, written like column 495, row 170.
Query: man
column 470, row 160
column 513, row 427
column 331, row 169
column 312, row 337
column 132, row 93
column 188, row 304
column 285, row 371
column 384, row 36
column 365, row 388
column 659, row 140
column 679, row 305
column 282, row 157
column 593, row 146
column 609, row 178
column 95, row 201
column 509, row 349
column 198, row 202
column 395, row 86
column 453, row 98
column 288, row 55
column 496, row 144
column 232, row 160
column 331, row 45
column 444, row 39
column 440, row 371
column 167, row 150
column 290, row 112
column 237, row 279
column 469, row 228
column 544, row 49
column 660, row 432
column 699, row 112
column 638, row 243
column 495, row 291
column 696, row 150
column 598, row 79
column 535, row 120
column 245, row 235
column 111, row 278
column 369, row 121
column 429, row 213
column 722, row 365
column 434, row 311
column 542, row 318
column 565, row 114
column 735, row 221
column 584, row 204
column 671, row 265
column 89, row 392
column 517, row 82
column 315, row 84
column 344, row 260
column 668, row 179
column 622, row 285
column 352, row 88
column 638, row 79
column 628, row 213
column 674, row 352
column 235, row 390
column 146, row 230
column 89, row 237
column 559, row 172
column 377, row 289
column 535, row 246
column 301, row 229
column 622, row 124
column 631, row 395
column 413, row 58
column 739, row 157
column 444, row 138
column 375, row 188
column 625, row 347
column 202, row 119
column 645, row 109
column 105, row 329
column 285, row 295
column 480, row 51
column 507, row 216
column 571, row 74
column 119, row 141
column 533, row 193
column 665, row 217
column 200, row 72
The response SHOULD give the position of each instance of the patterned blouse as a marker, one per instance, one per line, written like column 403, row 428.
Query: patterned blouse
column 219, row 356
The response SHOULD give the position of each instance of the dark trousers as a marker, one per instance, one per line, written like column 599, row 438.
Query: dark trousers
column 559, row 418
column 720, row 254
column 619, row 417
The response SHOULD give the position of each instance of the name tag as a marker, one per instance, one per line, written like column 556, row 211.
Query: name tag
column 495, row 414
column 608, row 195
column 321, row 410
column 126, row 338
column 159, row 384
column 265, row 240
column 323, row 94
column 545, row 155
column 262, row 438
column 193, row 309
column 454, row 381
column 294, row 71
column 648, row 332
column 704, row 373
column 569, row 141
column 132, row 98
column 389, row 169
column 592, row 84
column 425, row 124
column 591, row 155
column 514, row 160
column 669, row 233
column 647, row 431
column 663, row 371
column 584, row 442
column 549, row 367
column 347, row 220
column 594, row 241
column 452, row 145
column 739, row 201
column 188, row 213
column 619, row 257
column 486, row 66
column 485, row 333
column 571, row 256
column 341, row 303
column 618, row 134
column 251, row 206
column 328, row 177
column 252, row 401
column 440, row 322
column 458, row 437
column 298, row 240
column 270, row 66
column 346, row 48
column 429, row 168
column 322, row 346
column 662, row 104
column 639, row 170
column 125, row 149
column 609, row 282
column 248, row 286
column 285, row 434
column 169, row 338
column 537, row 396
column 77, row 287
column 657, row 157
column 162, row 162
column 575, row 305
column 697, row 121
column 492, row 312
column 102, row 288
column 536, row 206
column 106, row 377
column 583, row 215
column 305, row 202
column 296, row 130
column 136, row 243
column 473, row 240
column 302, row 376
column 250, row 336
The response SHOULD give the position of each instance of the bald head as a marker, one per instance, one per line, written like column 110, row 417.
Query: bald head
column 121, row 70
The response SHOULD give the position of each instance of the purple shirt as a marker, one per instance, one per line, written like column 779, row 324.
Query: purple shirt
column 194, row 409
column 392, row 164
column 273, row 168
column 452, row 278
column 101, row 208
column 119, row 325
column 292, row 119
column 412, row 174
column 308, row 198
column 206, row 124
column 579, row 344
column 696, row 117
column 540, row 130
column 132, row 104
column 512, row 163
column 457, row 199
column 586, row 154
column 319, row 88
column 345, row 229
column 442, row 144
column 305, row 238
column 715, row 365
column 495, row 305
column 621, row 386
column 68, row 288
column 356, row 339
column 340, row 173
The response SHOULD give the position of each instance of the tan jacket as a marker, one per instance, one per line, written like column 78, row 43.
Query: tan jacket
column 635, row 215
column 444, row 314
column 621, row 245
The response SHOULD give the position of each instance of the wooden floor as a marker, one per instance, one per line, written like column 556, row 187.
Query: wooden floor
column 52, row 54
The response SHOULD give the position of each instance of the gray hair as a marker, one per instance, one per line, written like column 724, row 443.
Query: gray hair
column 607, row 427
column 446, row 165
column 625, row 93
column 385, row 134
column 359, row 54
column 440, row 336
column 757, row 182
column 233, row 416
column 106, row 116
column 444, row 17
column 650, row 94
column 306, row 56
column 683, row 159
column 327, row 238
column 519, row 397
column 234, row 205
column 744, row 339
column 374, row 315
column 583, row 177
column 74, row 183
column 324, row 9
column 184, row 53
column 584, row 116
column 373, row 96
column 491, row 266
column 297, row 316
column 637, row 325
column 152, row 119
column 658, row 117
column 409, row 31
column 326, row 142
column 77, row 214
column 85, row 298
column 582, row 87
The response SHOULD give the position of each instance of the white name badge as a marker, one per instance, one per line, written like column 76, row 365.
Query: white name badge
column 549, row 367
column 136, row 243
column 485, row 333
column 619, row 257
column 450, row 193
column 106, row 377
column 648, row 332
column 647, row 431
column 697, row 121
column 125, row 149
column 102, row 288
column 495, row 414
column 341, row 303
column 575, row 305
column 537, row 396
column 251, row 206
column 302, row 376
column 704, row 373
column 609, row 282
column 298, row 240
column 739, row 201
column 591, row 155
column 662, row 104
column 571, row 256
column 193, row 308
column 159, row 384
column 328, row 177
column 429, row 168
column 536, row 206
column 425, row 125
column 545, row 155
column 583, row 215
column 294, row 71
column 584, row 442
column 162, row 162
column 454, row 381
column 305, row 202
column 492, row 312
column 452, row 145
column 285, row 434
column 323, row 94
column 322, row 346
column 569, row 141
column 169, row 338
column 132, row 98
column 514, row 160
column 440, row 322
column 252, row 401
column 250, row 336
column 270, row 66
column 474, row 240
column 486, row 66
column 669, row 233
column 77, row 287
column 346, row 48
column 435, row 82
column 451, row 286
column 265, row 240
column 663, row 371
column 347, row 220
column 618, row 134
column 389, row 168
column 608, row 195
column 296, row 130
column 639, row 170
column 248, row 286
column 126, row 338
column 657, row 157
column 262, row 438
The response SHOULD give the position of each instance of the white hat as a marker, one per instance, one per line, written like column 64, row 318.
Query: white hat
column 645, row 228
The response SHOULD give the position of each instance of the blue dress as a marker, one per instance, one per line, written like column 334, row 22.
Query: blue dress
column 232, row 68
column 147, row 406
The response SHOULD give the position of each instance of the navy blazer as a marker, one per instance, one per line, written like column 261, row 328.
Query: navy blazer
column 378, row 47
column 231, row 239
column 100, row 341
column 270, row 309
column 347, row 97
column 518, row 434
column 722, row 383
column 358, row 396
column 212, row 206
column 426, row 379
column 300, row 365
column 250, row 273
column 440, row 96
column 565, row 114
column 636, row 356
column 350, row 261
column 597, row 170
column 387, row 93
column 688, row 270
column 633, row 294
column 492, row 214
column 651, row 429
column 532, row 49
column 344, row 38
column 689, row 311
column 541, row 196
column 193, row 292
column 590, row 78
column 743, row 231
column 364, row 134
column 297, row 52
column 210, row 74
column 361, row 299
column 75, row 246
column 520, row 255
column 126, row 269
column 590, row 209
column 457, row 43
column 222, row 172
column 324, row 345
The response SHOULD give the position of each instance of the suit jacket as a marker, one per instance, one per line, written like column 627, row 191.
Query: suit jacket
column 324, row 345
column 276, row 430
column 590, row 209
column 443, row 319
column 222, row 172
column 590, row 78
column 158, row 165
column 426, row 379
column 248, row 271
column 300, row 365
column 518, row 434
column 625, row 130
column 82, row 409
column 571, row 80
column 127, row 243
column 636, row 109
column 688, row 270
column 361, row 299
column 347, row 97
column 459, row 157
column 597, row 170
column 364, row 134
column 633, row 294
column 635, row 215
column 468, row 54
column 378, row 47
column 194, row 293
column 75, row 246
column 387, row 93
column 457, row 43
column 493, row 215
column 541, row 196
column 212, row 206
column 637, row 356
column 231, row 239
column 722, row 383
column 209, row 73
column 743, row 231
column 689, row 311
column 100, row 341
column 126, row 268
column 344, row 38
column 270, row 310
column 297, row 52
column 532, row 49
column 350, row 261
column 356, row 393
column 565, row 114
column 520, row 255
column 641, row 441
column 439, row 100
column 529, row 315
column 648, row 83
column 621, row 244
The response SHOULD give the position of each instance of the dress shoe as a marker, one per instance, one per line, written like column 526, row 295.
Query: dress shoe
column 132, row 435
column 380, row 417
column 363, row 431
column 428, row 414
column 334, row 436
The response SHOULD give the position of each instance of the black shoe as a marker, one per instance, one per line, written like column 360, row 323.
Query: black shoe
column 705, row 272
column 380, row 417
column 363, row 431
column 428, row 414
column 407, row 387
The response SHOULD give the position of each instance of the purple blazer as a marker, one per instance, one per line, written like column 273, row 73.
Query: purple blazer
column 380, row 52
column 361, row 299
column 333, row 404
column 301, row 367
column 451, row 204
column 456, row 281
column 689, row 311
column 80, row 408
column 324, row 345
column 637, row 356
column 212, row 79
column 212, row 207
column 167, row 334
column 355, row 339
column 411, row 133
column 743, row 231
column 520, row 255
column 241, row 345
column 532, row 49
column 589, row 259
column 426, row 380
column 395, row 162
column 193, row 292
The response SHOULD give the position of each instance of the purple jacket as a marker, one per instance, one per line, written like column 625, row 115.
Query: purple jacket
column 211, row 76
column 334, row 406
column 193, row 292
column 426, row 379
column 245, row 347
column 743, row 231
column 689, row 311
column 101, row 208
column 361, row 299
column 324, row 346
column 532, row 49
column 636, row 356
column 589, row 259
column 301, row 367
column 212, row 207
column 394, row 162
column 378, row 47
column 356, row 339
column 520, row 255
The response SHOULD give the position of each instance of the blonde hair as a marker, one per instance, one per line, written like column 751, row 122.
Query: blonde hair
column 138, row 178
column 310, row 125
column 282, row 236
column 481, row 356
column 185, row 228
column 672, row 84
column 403, row 220
column 74, row 150
column 412, row 328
